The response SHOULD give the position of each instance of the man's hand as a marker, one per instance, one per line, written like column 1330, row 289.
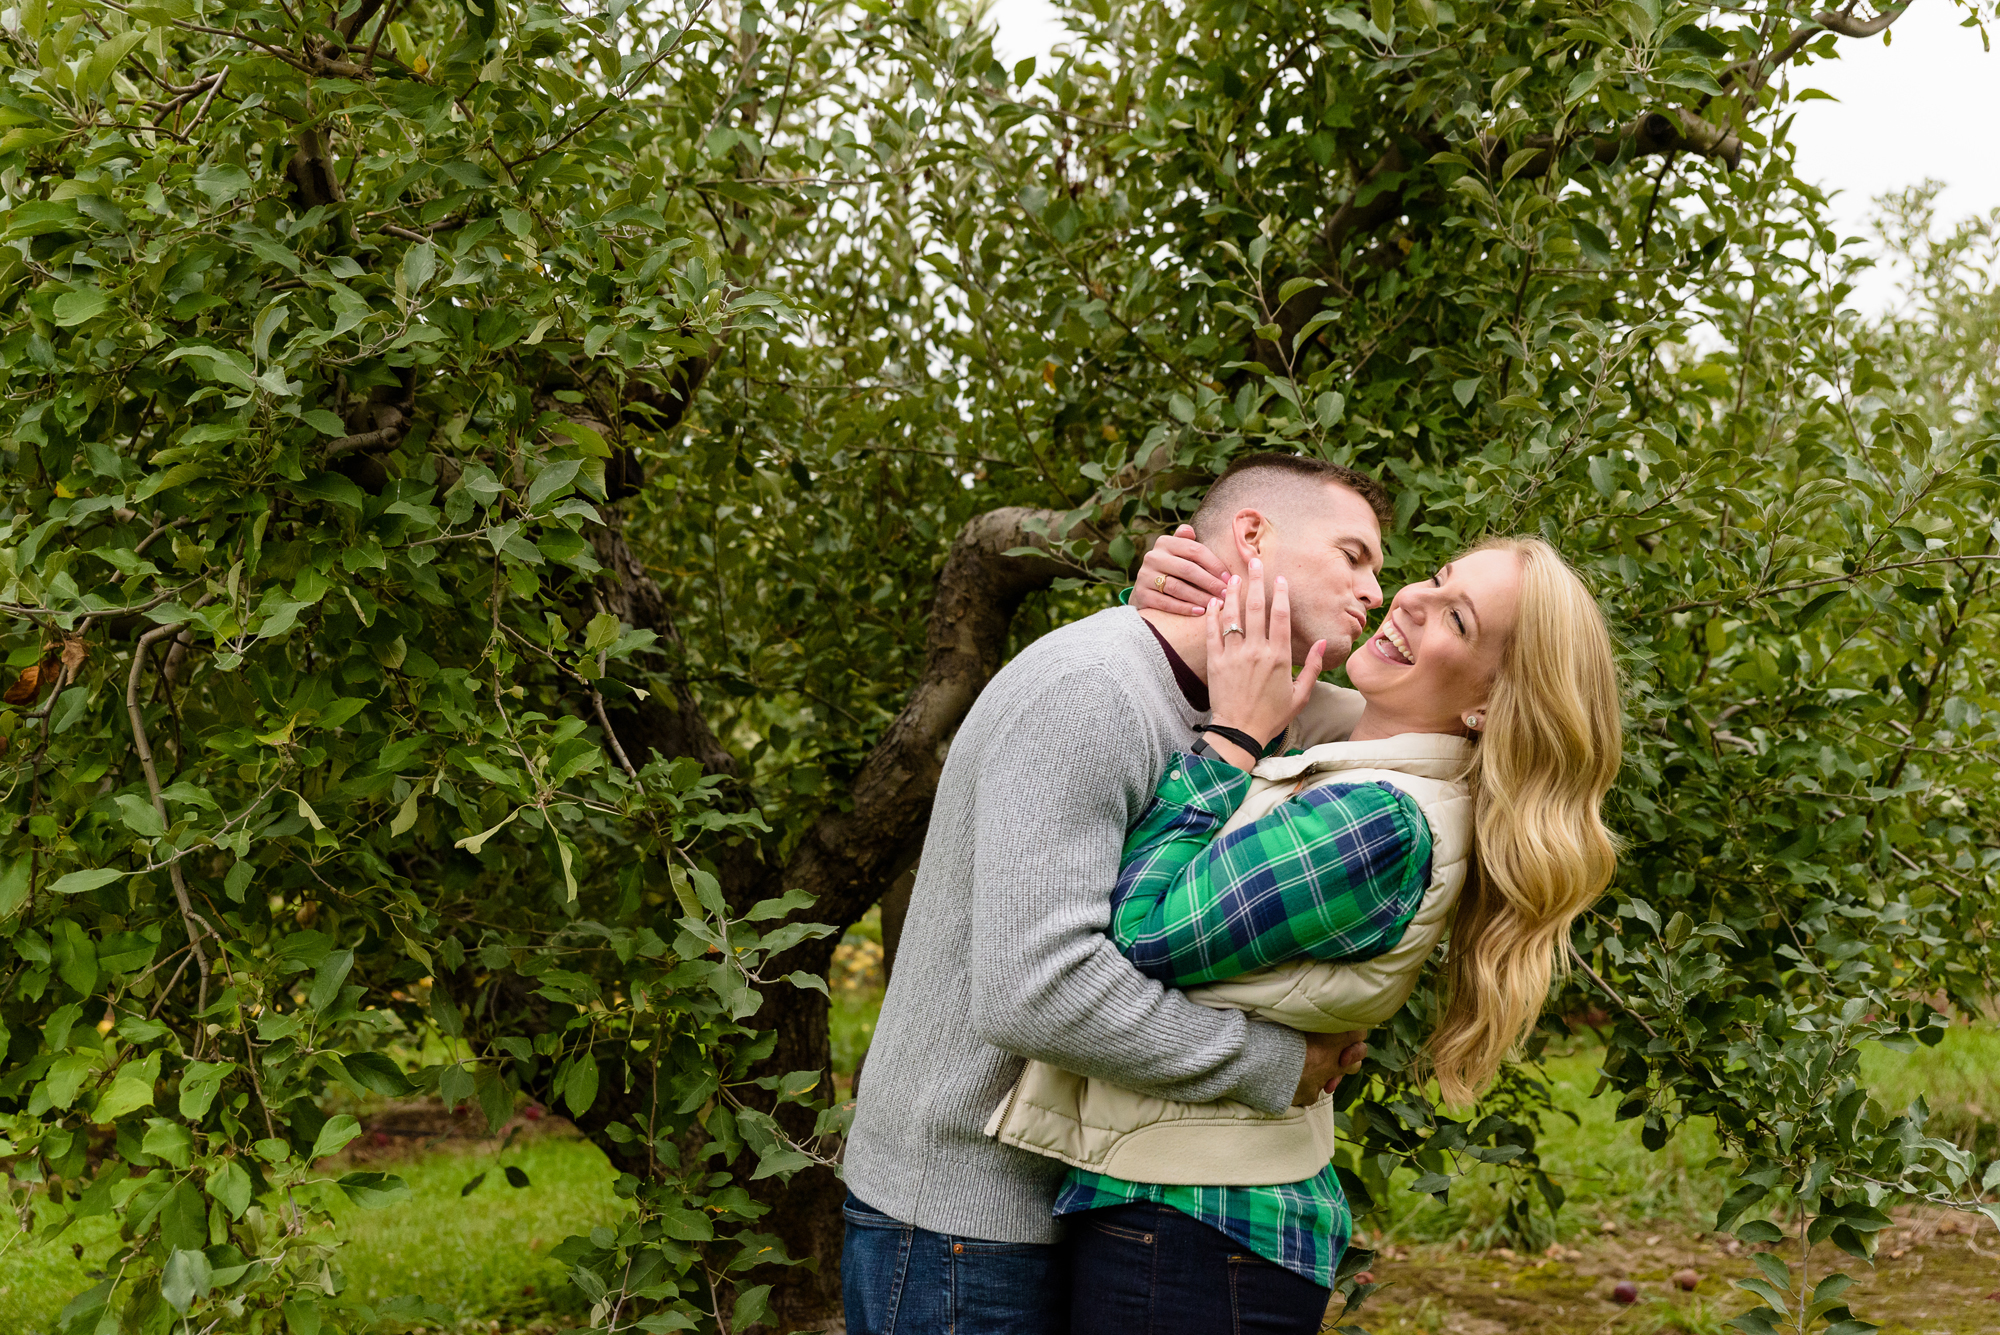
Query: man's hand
column 1179, row 575
column 1329, row 1057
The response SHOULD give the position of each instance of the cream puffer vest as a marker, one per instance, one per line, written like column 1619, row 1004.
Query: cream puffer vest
column 1096, row 1125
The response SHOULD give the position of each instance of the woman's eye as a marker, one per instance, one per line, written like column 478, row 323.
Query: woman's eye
column 1435, row 582
column 1459, row 622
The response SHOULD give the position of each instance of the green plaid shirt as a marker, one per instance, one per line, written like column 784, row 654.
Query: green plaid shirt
column 1334, row 874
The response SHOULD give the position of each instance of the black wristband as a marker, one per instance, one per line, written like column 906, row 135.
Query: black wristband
column 1236, row 735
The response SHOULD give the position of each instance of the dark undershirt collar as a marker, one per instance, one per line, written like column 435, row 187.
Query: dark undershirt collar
column 1192, row 687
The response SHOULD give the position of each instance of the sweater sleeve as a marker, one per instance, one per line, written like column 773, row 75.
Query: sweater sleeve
column 1333, row 874
column 1046, row 982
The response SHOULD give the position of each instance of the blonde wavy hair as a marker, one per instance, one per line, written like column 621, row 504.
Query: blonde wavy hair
column 1546, row 757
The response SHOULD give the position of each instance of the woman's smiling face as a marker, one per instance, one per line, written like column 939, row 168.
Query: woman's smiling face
column 1433, row 659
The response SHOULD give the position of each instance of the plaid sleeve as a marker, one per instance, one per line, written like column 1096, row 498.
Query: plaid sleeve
column 1333, row 874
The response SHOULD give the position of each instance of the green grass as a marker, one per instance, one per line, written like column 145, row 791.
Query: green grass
column 1603, row 1169
column 486, row 1254
column 1608, row 1175
column 480, row 1256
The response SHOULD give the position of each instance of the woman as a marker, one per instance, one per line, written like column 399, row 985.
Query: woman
column 1468, row 793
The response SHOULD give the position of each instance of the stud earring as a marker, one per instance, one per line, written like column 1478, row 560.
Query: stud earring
column 1473, row 721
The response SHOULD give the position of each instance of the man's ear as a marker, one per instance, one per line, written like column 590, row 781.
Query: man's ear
column 1250, row 530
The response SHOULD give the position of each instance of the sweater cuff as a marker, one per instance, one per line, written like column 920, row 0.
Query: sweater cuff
column 1275, row 1059
column 1203, row 783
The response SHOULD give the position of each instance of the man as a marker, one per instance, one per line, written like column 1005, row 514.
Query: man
column 1003, row 955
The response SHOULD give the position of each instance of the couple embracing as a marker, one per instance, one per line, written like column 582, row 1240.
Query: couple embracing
column 1166, row 890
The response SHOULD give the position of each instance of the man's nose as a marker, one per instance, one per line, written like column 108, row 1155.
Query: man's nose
column 1370, row 589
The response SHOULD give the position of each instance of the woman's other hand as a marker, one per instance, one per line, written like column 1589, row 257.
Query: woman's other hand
column 1179, row 575
column 1250, row 682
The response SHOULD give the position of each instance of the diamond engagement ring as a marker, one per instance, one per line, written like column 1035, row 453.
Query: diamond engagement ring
column 1160, row 583
column 1227, row 631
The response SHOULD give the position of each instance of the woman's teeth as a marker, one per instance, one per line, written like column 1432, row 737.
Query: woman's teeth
column 1399, row 647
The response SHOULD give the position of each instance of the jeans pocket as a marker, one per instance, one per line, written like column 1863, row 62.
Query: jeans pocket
column 1119, row 1231
column 999, row 1250
column 874, row 1269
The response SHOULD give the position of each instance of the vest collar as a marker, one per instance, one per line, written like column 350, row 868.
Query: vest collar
column 1433, row 755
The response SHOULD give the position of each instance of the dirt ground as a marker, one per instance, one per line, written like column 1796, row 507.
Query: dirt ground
column 404, row 1130
column 1936, row 1274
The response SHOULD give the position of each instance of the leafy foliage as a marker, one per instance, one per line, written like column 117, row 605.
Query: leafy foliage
column 329, row 340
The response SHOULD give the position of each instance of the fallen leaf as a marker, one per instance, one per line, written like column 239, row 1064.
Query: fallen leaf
column 26, row 686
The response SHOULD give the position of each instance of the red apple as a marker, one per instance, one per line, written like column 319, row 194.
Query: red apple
column 1365, row 1277
column 1627, row 1292
column 1686, row 1280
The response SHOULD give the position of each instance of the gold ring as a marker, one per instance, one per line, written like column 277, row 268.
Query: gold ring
column 1234, row 630
column 1160, row 582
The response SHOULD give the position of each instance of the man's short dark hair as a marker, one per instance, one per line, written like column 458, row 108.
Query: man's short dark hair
column 1253, row 472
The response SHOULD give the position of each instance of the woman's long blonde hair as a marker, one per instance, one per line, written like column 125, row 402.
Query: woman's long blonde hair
column 1545, row 758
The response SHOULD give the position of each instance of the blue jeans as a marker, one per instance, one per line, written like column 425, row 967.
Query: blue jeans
column 1148, row 1269
column 898, row 1279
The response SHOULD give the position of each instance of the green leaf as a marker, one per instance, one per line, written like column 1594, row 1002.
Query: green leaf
column 1591, row 240
column 752, row 1307
column 221, row 183
column 334, row 1136
column 376, row 1072
column 813, row 982
column 472, row 843
column 199, row 1085
column 140, row 816
column 14, row 880
column 331, row 487
column 80, row 304
column 185, row 1279
column 1518, row 160
column 96, row 71
column 327, row 979
column 128, row 1093
column 375, row 1191
column 455, row 1085
column 405, row 818
column 516, row 1177
column 602, row 632
column 77, row 882
column 419, row 264
column 1293, row 286
column 169, row 1140
column 550, row 480
column 324, row 422
column 231, row 1187
column 580, row 1086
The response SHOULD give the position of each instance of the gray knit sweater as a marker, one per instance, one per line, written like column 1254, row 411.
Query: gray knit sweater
column 1004, row 957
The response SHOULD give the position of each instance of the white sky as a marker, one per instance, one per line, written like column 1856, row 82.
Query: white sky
column 1927, row 104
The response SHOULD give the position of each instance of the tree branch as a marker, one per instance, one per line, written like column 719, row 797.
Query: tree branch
column 843, row 858
column 196, row 928
column 1388, row 196
column 367, row 440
